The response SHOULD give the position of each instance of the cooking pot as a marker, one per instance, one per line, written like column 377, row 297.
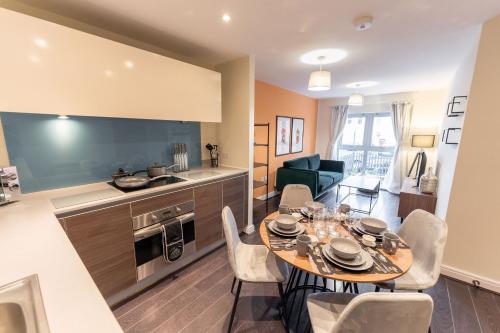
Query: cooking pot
column 157, row 169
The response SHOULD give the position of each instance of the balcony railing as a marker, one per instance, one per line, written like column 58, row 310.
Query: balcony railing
column 377, row 163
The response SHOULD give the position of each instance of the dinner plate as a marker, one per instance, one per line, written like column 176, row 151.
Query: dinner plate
column 299, row 228
column 368, row 261
column 358, row 227
column 357, row 261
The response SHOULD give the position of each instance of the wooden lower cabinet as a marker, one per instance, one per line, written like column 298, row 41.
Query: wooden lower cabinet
column 208, row 219
column 234, row 197
column 104, row 240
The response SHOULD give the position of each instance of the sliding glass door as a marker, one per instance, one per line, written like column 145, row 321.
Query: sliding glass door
column 367, row 144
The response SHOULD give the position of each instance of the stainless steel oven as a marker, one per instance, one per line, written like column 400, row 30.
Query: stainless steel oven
column 162, row 237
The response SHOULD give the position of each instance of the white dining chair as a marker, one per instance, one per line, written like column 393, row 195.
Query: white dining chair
column 296, row 195
column 250, row 263
column 426, row 235
column 370, row 312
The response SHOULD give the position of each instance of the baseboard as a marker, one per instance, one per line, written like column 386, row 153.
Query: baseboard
column 249, row 229
column 269, row 195
column 470, row 278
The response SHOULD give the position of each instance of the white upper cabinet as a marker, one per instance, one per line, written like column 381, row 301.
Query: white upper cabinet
column 49, row 68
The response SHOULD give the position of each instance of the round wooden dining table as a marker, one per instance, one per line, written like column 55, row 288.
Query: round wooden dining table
column 401, row 260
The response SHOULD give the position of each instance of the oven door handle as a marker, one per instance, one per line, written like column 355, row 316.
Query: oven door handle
column 156, row 228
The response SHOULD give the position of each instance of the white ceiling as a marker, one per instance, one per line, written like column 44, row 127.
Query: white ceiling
column 413, row 44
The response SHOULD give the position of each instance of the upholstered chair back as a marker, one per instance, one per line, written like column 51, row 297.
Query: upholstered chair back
column 386, row 312
column 232, row 236
column 426, row 235
column 296, row 195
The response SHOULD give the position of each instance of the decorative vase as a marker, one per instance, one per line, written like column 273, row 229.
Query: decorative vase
column 428, row 182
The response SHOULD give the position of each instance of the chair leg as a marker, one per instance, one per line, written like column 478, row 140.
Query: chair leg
column 232, row 286
column 324, row 284
column 356, row 290
column 377, row 289
column 420, row 291
column 233, row 312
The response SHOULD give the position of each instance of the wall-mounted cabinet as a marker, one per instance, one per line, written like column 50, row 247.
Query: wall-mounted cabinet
column 52, row 69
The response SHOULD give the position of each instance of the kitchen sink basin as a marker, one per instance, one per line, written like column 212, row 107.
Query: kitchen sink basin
column 21, row 307
column 12, row 318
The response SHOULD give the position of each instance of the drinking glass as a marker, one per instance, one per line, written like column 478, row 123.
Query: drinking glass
column 319, row 219
column 331, row 222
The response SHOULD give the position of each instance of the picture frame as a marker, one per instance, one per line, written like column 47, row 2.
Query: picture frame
column 457, row 106
column 297, row 135
column 283, row 135
column 453, row 135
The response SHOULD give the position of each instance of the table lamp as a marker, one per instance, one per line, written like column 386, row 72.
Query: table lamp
column 420, row 141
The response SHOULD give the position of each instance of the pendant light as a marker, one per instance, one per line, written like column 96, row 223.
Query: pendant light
column 320, row 80
column 356, row 100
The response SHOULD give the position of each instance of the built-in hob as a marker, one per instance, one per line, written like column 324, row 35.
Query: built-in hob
column 156, row 183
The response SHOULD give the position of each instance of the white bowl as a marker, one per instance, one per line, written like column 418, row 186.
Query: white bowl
column 286, row 222
column 373, row 225
column 297, row 216
column 345, row 248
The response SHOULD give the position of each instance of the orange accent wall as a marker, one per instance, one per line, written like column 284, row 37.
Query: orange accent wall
column 272, row 101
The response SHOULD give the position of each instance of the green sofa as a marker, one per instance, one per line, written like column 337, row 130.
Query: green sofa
column 320, row 175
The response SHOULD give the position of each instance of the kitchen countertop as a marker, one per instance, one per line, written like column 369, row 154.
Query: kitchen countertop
column 33, row 242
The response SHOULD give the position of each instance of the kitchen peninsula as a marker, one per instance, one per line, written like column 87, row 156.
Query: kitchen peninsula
column 33, row 240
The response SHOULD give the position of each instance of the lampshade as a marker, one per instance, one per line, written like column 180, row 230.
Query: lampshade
column 319, row 80
column 356, row 100
column 422, row 141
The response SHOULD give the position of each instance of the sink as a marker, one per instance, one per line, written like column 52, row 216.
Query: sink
column 12, row 318
column 21, row 307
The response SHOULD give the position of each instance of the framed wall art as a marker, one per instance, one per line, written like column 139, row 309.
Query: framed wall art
column 283, row 130
column 297, row 135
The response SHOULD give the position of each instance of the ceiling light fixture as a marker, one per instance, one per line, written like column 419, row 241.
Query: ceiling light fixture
column 361, row 84
column 328, row 56
column 356, row 100
column 363, row 23
column 320, row 80
column 41, row 43
column 34, row 58
column 226, row 18
column 129, row 64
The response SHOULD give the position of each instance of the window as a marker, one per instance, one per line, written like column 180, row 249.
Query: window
column 367, row 144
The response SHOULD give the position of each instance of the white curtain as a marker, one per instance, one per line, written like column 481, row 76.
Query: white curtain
column 337, row 122
column 401, row 120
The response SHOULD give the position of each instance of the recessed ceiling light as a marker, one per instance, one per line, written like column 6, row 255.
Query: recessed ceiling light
column 361, row 84
column 129, row 64
column 327, row 56
column 34, row 59
column 226, row 18
column 41, row 43
column 108, row 73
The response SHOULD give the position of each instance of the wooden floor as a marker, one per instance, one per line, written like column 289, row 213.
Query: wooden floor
column 197, row 299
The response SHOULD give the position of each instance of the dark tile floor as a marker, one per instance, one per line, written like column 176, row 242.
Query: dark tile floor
column 197, row 299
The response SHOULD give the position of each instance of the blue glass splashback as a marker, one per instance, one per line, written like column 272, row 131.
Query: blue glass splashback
column 53, row 153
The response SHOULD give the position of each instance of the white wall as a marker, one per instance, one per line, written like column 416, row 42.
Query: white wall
column 236, row 129
column 447, row 154
column 427, row 116
column 473, row 248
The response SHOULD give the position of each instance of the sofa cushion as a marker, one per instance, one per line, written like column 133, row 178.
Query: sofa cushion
column 314, row 162
column 299, row 163
column 324, row 183
column 336, row 176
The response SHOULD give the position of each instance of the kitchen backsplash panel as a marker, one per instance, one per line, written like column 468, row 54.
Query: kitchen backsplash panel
column 52, row 153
